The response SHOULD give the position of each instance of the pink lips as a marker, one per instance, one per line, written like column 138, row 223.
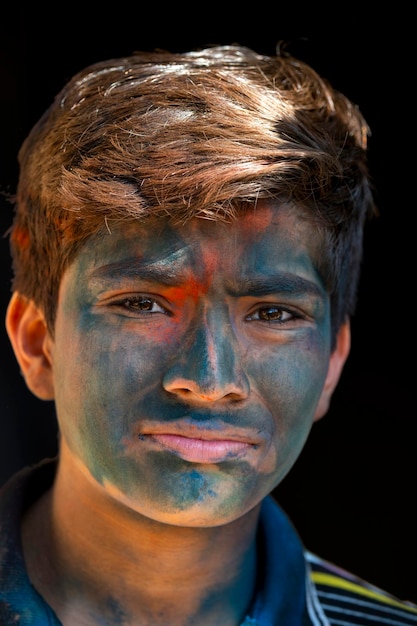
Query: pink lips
column 201, row 450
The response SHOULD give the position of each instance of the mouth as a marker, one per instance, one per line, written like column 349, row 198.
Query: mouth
column 204, row 441
column 199, row 450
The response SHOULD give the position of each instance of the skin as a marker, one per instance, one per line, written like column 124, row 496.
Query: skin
column 188, row 365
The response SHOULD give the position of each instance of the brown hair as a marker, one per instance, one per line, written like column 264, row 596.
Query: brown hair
column 196, row 134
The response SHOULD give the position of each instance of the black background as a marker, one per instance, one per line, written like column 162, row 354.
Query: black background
column 351, row 494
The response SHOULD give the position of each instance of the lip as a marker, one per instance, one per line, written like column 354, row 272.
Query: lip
column 199, row 450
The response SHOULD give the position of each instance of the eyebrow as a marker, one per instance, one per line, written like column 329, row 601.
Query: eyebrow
column 284, row 282
column 136, row 268
column 257, row 286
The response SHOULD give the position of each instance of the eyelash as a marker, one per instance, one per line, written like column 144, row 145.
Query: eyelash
column 132, row 304
column 280, row 311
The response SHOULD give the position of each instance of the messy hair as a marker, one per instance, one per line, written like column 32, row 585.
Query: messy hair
column 204, row 134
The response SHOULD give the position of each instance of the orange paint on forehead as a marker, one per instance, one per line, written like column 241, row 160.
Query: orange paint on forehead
column 209, row 252
column 192, row 289
column 257, row 220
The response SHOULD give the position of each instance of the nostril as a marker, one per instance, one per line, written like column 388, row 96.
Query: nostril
column 182, row 390
column 197, row 394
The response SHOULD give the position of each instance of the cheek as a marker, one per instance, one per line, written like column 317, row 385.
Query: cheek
column 102, row 376
column 293, row 374
column 290, row 382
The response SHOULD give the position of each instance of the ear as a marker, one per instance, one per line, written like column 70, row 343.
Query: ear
column 337, row 360
column 31, row 342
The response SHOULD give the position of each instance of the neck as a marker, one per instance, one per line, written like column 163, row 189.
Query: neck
column 96, row 561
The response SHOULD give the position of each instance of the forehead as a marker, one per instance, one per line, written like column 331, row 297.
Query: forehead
column 258, row 240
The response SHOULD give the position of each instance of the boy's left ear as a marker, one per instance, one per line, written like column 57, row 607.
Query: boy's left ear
column 337, row 360
column 31, row 342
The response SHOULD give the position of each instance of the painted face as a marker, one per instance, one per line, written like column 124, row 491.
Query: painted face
column 189, row 360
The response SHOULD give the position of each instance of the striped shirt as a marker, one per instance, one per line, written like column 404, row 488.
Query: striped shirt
column 337, row 598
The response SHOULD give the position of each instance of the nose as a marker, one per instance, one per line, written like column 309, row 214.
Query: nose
column 209, row 367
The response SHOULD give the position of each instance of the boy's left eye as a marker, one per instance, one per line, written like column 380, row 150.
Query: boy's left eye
column 270, row 314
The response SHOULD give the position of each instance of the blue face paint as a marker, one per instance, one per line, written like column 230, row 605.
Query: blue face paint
column 189, row 361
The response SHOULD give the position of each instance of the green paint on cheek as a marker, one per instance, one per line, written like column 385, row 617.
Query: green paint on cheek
column 174, row 483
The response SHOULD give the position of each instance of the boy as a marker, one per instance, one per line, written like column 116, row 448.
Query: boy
column 186, row 253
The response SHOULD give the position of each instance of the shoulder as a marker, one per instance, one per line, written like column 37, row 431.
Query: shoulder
column 19, row 601
column 338, row 597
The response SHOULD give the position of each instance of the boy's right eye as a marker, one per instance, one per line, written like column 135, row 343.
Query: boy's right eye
column 140, row 304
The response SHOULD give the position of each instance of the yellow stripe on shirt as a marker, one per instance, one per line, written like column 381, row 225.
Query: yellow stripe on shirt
column 330, row 580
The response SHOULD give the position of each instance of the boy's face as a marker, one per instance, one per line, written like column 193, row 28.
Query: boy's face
column 189, row 361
